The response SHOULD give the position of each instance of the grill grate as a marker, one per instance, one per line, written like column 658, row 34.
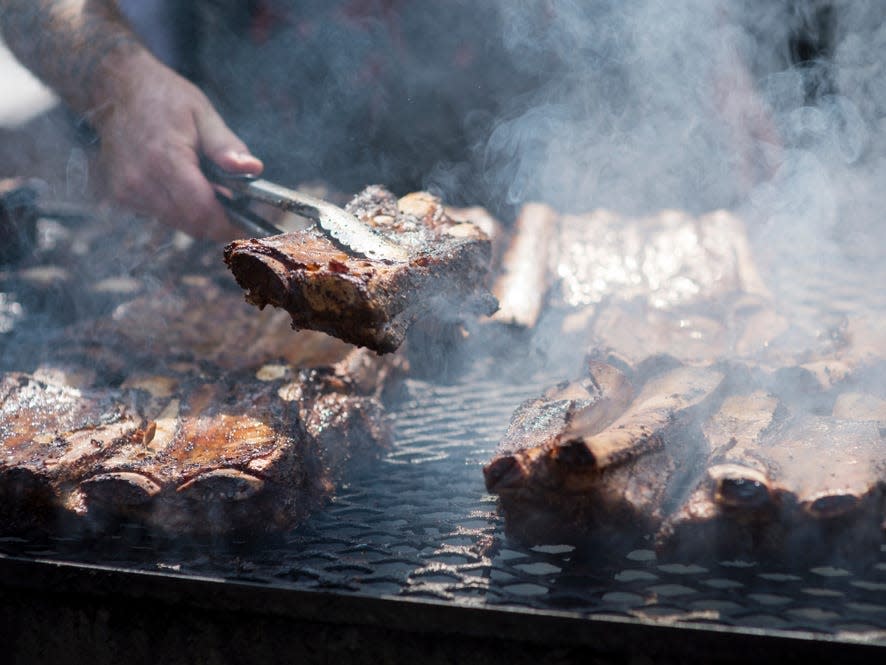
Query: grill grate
column 424, row 526
column 420, row 525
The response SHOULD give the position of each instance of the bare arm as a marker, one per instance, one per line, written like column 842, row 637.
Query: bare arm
column 153, row 124
column 67, row 43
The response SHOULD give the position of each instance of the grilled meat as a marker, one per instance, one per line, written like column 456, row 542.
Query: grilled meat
column 778, row 483
column 188, row 451
column 587, row 405
column 636, row 288
column 524, row 280
column 823, row 350
column 667, row 285
column 663, row 298
column 204, row 414
column 733, row 507
column 669, row 260
column 629, row 334
column 197, row 319
column 587, row 460
column 366, row 302
column 832, row 468
column 483, row 220
column 50, row 435
column 222, row 452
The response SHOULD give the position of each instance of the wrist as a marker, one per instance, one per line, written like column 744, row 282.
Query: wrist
column 122, row 65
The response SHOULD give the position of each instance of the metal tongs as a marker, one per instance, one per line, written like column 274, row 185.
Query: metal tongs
column 339, row 225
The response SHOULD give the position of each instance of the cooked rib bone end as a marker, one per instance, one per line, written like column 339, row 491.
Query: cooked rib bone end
column 739, row 488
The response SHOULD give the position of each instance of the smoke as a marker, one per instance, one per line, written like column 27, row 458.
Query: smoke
column 651, row 105
column 619, row 118
column 773, row 109
column 634, row 106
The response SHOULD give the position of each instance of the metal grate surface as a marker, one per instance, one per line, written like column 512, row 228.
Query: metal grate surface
column 420, row 525
column 423, row 525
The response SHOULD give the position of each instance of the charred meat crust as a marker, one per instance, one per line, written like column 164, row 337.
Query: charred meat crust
column 585, row 405
column 600, row 466
column 703, row 458
column 187, row 453
column 49, row 436
column 785, row 483
column 187, row 410
column 366, row 302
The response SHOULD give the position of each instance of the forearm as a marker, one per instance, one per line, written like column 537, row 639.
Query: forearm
column 74, row 46
column 153, row 125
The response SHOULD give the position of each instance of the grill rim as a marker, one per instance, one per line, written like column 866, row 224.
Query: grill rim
column 434, row 619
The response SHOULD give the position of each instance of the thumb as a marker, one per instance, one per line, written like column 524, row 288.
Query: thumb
column 223, row 147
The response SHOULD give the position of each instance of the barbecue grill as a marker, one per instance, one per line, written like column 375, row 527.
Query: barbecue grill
column 410, row 562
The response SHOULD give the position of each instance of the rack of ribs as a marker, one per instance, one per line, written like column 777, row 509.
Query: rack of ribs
column 749, row 432
column 367, row 302
column 185, row 451
column 185, row 411
column 591, row 460
column 783, row 483
column 634, row 288
column 704, row 458
column 49, row 436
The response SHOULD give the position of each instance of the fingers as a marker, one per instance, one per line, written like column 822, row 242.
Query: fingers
column 178, row 195
column 151, row 144
column 222, row 146
column 194, row 208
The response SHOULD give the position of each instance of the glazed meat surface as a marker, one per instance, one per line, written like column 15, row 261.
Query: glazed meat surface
column 224, row 452
column 187, row 451
column 778, row 483
column 184, row 409
column 591, row 460
column 50, row 435
column 669, row 260
column 367, row 302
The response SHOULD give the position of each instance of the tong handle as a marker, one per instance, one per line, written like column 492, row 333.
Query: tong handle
column 237, row 206
column 216, row 174
column 340, row 226
column 239, row 213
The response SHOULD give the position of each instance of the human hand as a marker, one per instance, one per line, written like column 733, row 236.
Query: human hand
column 154, row 125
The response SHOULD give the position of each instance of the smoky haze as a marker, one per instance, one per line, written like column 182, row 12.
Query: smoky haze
column 771, row 109
column 693, row 105
column 774, row 108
